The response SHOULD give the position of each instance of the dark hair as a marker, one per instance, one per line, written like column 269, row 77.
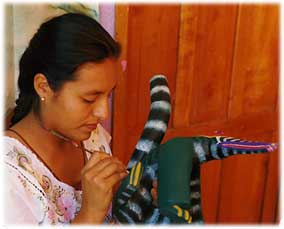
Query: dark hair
column 57, row 49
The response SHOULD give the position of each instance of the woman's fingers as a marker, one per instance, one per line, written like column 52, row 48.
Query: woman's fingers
column 95, row 158
column 112, row 180
column 105, row 171
column 107, row 184
column 99, row 177
column 98, row 162
column 110, row 168
column 106, row 162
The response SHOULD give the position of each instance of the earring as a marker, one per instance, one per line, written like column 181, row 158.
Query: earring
column 42, row 98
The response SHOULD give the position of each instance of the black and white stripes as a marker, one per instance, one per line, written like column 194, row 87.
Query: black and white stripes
column 220, row 147
column 158, row 118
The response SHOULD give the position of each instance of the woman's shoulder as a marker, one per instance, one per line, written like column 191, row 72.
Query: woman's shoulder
column 12, row 143
column 12, row 147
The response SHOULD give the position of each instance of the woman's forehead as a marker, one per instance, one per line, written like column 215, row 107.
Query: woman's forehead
column 97, row 75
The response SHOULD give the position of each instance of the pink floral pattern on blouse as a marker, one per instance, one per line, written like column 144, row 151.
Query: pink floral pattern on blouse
column 65, row 205
column 32, row 194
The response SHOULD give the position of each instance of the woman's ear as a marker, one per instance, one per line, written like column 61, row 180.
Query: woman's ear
column 41, row 86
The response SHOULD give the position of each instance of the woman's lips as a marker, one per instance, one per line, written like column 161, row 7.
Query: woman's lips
column 91, row 126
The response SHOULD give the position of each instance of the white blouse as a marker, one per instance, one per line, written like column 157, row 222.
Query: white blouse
column 32, row 194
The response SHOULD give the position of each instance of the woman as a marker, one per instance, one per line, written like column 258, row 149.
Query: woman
column 66, row 75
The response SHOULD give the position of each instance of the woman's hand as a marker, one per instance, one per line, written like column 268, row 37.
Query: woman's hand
column 99, row 177
column 154, row 192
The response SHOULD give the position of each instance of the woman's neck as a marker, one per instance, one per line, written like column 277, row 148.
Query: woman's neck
column 54, row 152
column 33, row 130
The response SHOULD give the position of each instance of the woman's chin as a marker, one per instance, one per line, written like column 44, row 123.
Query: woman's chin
column 84, row 135
column 80, row 134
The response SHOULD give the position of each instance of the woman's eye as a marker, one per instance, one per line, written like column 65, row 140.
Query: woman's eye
column 88, row 100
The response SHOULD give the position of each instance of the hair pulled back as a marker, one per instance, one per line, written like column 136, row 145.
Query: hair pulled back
column 56, row 50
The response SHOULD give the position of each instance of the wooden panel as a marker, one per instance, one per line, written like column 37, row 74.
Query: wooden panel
column 269, row 209
column 186, row 57
column 243, row 185
column 242, row 188
column 211, row 62
column 210, row 189
column 255, row 71
column 120, row 94
column 277, row 215
column 244, row 127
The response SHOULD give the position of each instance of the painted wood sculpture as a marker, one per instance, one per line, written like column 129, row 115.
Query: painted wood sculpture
column 176, row 166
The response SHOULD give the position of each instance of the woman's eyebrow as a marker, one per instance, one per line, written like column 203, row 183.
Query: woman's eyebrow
column 97, row 92
column 94, row 92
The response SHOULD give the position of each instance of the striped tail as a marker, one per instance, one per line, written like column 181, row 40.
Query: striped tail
column 219, row 147
column 158, row 118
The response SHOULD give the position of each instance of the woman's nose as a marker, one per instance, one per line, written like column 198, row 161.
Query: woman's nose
column 101, row 109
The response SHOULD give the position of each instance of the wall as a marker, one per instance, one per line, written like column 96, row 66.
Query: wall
column 222, row 65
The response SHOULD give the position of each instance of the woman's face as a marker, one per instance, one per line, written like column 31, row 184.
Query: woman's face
column 77, row 108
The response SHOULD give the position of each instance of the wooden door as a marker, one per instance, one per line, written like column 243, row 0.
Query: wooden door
column 222, row 65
